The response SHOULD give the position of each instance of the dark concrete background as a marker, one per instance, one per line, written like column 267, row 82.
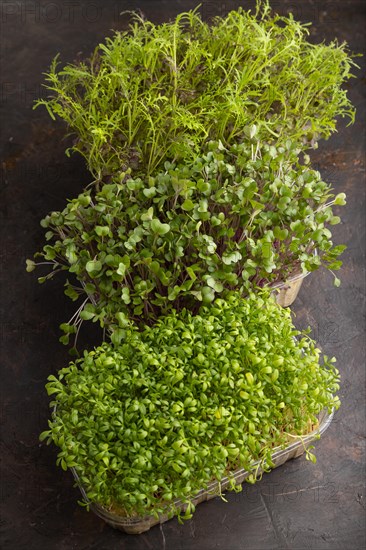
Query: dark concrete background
column 300, row 505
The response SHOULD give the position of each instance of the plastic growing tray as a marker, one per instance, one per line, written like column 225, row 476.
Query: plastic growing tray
column 137, row 525
column 286, row 293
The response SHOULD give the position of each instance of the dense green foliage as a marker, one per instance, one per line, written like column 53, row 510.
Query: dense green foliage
column 234, row 218
column 187, row 401
column 158, row 92
column 196, row 136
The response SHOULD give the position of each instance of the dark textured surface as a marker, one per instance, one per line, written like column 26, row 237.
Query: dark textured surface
column 300, row 505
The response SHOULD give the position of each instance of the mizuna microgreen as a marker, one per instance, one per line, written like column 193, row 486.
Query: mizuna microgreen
column 158, row 92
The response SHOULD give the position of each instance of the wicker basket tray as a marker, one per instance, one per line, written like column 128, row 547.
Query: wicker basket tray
column 137, row 525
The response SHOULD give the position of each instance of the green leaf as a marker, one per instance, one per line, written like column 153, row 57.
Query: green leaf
column 253, row 131
column 216, row 285
column 122, row 319
column 208, row 294
column 121, row 269
column 126, row 295
column 117, row 336
column 88, row 312
column 45, row 435
column 93, row 267
column 30, row 265
column 283, row 203
column 158, row 227
column 67, row 328
column 102, row 231
column 173, row 292
column 188, row 205
column 203, row 186
column 310, row 456
column 106, row 460
column 148, row 215
column 191, row 273
column 197, row 294
column 340, row 199
column 50, row 252
column 279, row 233
column 150, row 192
column 231, row 258
column 84, row 199
column 71, row 292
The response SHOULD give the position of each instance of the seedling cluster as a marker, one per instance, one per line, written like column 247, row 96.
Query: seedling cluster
column 186, row 401
column 198, row 138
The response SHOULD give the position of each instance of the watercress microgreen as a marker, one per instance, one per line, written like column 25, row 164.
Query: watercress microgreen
column 186, row 402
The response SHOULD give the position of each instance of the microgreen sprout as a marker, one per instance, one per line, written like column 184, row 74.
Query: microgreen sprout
column 242, row 217
column 186, row 402
column 158, row 92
